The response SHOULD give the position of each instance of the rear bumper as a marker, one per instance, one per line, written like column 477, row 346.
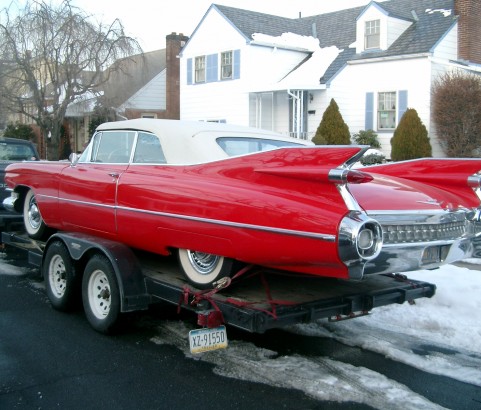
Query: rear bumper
column 428, row 255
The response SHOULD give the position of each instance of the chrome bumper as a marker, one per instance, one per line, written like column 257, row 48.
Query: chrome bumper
column 432, row 255
column 9, row 203
column 413, row 241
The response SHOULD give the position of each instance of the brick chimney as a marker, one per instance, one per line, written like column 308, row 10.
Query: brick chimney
column 174, row 44
column 469, row 29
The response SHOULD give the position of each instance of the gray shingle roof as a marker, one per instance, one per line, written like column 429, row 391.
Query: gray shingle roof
column 339, row 28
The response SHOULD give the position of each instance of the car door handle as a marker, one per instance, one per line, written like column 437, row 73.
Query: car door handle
column 114, row 175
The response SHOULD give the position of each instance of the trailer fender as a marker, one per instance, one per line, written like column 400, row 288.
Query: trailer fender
column 133, row 292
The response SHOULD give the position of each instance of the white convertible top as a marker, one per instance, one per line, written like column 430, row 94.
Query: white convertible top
column 193, row 142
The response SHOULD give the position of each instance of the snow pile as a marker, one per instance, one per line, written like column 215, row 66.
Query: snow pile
column 439, row 335
column 9, row 270
column 318, row 377
column 450, row 318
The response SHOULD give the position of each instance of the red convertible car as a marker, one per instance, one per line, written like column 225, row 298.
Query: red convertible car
column 220, row 195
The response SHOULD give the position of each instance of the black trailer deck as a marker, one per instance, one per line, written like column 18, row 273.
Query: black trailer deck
column 260, row 299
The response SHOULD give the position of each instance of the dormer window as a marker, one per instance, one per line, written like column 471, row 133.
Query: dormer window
column 372, row 34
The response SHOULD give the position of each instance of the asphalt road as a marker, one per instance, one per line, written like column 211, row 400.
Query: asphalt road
column 53, row 360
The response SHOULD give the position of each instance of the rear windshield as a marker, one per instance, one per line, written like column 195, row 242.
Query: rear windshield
column 16, row 152
column 234, row 146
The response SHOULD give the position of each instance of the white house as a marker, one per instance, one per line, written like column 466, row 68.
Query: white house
column 256, row 69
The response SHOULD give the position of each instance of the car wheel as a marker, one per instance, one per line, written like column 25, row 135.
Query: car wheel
column 202, row 269
column 60, row 278
column 100, row 294
column 32, row 219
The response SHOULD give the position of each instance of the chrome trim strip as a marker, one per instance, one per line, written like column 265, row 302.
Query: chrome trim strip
column 430, row 212
column 325, row 237
column 75, row 201
column 420, row 244
column 314, row 235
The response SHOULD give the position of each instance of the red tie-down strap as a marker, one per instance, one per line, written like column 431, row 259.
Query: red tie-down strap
column 272, row 302
column 197, row 296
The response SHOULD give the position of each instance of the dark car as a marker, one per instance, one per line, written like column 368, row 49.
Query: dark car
column 12, row 150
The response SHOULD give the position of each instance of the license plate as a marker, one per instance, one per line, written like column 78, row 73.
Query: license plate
column 204, row 340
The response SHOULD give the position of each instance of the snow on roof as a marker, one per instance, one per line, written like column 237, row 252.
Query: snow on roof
column 287, row 40
column 444, row 12
column 308, row 73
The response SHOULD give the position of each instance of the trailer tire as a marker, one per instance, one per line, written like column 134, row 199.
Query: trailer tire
column 100, row 294
column 61, row 281
column 32, row 219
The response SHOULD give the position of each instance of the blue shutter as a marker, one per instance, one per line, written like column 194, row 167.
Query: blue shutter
column 189, row 71
column 236, row 64
column 402, row 104
column 369, row 118
column 211, row 71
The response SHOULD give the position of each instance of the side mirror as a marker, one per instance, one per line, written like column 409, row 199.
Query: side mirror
column 73, row 158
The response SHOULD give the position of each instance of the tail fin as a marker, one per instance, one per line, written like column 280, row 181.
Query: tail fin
column 315, row 164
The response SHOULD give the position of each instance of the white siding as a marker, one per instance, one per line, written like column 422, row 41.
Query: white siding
column 150, row 97
column 394, row 29
column 447, row 48
column 209, row 101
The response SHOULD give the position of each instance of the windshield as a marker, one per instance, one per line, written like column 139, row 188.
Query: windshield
column 16, row 152
column 234, row 146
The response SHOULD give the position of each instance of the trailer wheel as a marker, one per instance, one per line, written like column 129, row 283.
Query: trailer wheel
column 100, row 294
column 202, row 269
column 32, row 219
column 60, row 277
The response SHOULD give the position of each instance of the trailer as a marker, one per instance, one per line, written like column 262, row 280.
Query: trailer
column 113, row 279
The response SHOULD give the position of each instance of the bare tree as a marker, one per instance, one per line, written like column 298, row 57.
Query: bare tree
column 51, row 56
column 457, row 113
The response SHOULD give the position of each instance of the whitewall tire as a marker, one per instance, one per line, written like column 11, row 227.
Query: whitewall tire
column 202, row 269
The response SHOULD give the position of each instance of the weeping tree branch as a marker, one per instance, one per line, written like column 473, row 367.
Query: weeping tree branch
column 52, row 55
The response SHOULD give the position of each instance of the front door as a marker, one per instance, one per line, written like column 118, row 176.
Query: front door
column 88, row 189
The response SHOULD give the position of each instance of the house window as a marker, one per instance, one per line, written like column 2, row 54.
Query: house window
column 226, row 67
column 200, row 69
column 372, row 35
column 386, row 110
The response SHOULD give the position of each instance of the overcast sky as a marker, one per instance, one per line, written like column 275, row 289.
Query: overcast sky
column 149, row 21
